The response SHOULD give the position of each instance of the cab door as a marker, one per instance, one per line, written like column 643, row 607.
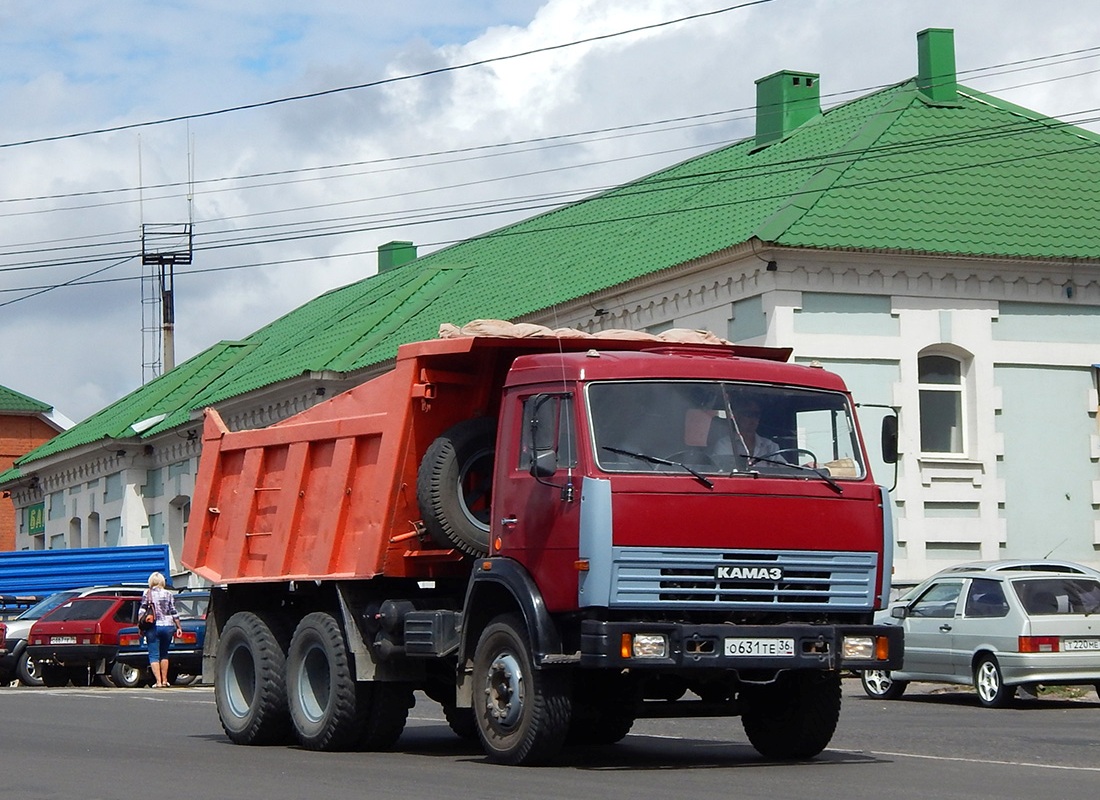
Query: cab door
column 929, row 627
column 536, row 492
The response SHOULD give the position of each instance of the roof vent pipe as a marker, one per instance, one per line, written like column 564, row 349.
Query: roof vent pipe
column 394, row 254
column 785, row 100
column 936, row 78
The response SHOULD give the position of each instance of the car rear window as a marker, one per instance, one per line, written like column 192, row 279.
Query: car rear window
column 91, row 608
column 1046, row 596
column 192, row 607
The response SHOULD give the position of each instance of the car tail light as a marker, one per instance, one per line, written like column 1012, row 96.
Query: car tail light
column 187, row 637
column 1038, row 644
column 129, row 639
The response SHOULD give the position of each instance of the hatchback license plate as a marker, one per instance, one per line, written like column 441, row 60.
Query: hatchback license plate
column 1081, row 644
column 760, row 647
column 62, row 640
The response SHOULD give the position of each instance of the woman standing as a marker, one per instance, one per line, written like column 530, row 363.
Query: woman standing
column 160, row 603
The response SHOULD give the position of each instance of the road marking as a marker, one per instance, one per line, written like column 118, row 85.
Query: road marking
column 978, row 761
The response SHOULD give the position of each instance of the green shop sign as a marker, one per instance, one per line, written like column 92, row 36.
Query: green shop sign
column 36, row 518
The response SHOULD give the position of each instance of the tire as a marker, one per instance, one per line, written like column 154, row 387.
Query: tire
column 54, row 675
column 793, row 718
column 461, row 722
column 878, row 683
column 605, row 707
column 328, row 709
column 28, row 671
column 989, row 684
column 127, row 676
column 522, row 713
column 250, row 683
column 454, row 486
column 385, row 707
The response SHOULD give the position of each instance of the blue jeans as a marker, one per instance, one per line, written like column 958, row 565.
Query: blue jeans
column 159, row 640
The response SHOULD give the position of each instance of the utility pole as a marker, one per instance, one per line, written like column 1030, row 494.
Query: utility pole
column 163, row 246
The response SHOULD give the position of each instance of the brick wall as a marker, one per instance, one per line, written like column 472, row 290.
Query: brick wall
column 19, row 434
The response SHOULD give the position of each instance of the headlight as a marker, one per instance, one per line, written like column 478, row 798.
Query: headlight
column 859, row 647
column 644, row 645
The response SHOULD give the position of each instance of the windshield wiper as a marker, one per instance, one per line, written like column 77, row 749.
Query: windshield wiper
column 703, row 479
column 836, row 487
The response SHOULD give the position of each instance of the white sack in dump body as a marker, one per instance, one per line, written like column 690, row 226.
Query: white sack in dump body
column 527, row 330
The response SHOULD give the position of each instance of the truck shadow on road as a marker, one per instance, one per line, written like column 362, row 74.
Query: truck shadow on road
column 635, row 752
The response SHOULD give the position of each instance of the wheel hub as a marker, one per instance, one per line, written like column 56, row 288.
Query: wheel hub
column 504, row 691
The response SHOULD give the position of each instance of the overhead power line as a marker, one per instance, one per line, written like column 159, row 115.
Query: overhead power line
column 386, row 81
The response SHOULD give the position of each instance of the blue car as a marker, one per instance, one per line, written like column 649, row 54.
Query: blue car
column 131, row 668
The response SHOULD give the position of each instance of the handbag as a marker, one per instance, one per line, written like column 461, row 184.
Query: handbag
column 147, row 620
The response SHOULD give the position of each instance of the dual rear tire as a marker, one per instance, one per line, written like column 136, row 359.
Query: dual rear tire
column 273, row 687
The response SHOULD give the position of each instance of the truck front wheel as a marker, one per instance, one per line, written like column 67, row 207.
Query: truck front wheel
column 794, row 717
column 249, row 681
column 522, row 713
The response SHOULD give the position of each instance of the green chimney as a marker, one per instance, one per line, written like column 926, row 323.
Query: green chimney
column 936, row 78
column 784, row 101
column 394, row 254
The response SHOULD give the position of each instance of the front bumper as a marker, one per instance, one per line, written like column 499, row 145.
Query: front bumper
column 690, row 646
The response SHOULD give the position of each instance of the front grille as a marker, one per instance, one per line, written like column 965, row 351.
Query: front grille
column 688, row 578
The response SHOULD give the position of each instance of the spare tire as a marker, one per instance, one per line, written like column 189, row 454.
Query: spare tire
column 454, row 486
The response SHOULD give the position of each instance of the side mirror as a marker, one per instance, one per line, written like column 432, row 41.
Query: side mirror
column 890, row 439
column 544, row 464
column 899, row 612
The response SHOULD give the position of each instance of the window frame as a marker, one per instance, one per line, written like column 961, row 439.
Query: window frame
column 958, row 390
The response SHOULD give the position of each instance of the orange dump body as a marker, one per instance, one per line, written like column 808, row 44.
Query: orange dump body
column 330, row 493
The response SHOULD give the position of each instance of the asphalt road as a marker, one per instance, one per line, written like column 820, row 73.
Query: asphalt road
column 99, row 743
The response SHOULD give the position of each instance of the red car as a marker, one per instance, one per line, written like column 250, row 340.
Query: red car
column 78, row 640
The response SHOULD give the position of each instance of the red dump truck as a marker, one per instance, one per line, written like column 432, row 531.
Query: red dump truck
column 550, row 537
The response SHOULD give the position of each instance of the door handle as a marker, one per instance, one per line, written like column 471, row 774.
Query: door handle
column 508, row 521
column 945, row 627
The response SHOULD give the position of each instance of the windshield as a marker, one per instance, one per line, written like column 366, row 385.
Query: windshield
column 49, row 604
column 719, row 428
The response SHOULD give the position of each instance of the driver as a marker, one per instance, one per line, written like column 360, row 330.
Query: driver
column 746, row 413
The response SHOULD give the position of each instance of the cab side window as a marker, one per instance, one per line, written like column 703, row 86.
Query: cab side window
column 548, row 425
column 939, row 600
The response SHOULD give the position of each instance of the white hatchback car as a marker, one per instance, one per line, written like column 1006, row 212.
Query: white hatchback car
column 997, row 630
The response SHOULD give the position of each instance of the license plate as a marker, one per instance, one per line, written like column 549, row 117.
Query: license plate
column 62, row 640
column 760, row 647
column 1081, row 644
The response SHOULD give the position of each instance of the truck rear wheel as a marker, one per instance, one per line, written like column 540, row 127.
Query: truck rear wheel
column 522, row 713
column 249, row 681
column 454, row 486
column 793, row 718
column 328, row 709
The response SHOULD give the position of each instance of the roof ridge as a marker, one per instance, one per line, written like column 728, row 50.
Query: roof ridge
column 1032, row 116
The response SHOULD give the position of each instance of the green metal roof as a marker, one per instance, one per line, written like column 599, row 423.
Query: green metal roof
column 891, row 171
column 12, row 402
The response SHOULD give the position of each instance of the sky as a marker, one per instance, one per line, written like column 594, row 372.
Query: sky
column 295, row 142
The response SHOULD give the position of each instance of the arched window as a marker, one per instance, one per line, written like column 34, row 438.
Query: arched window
column 940, row 384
